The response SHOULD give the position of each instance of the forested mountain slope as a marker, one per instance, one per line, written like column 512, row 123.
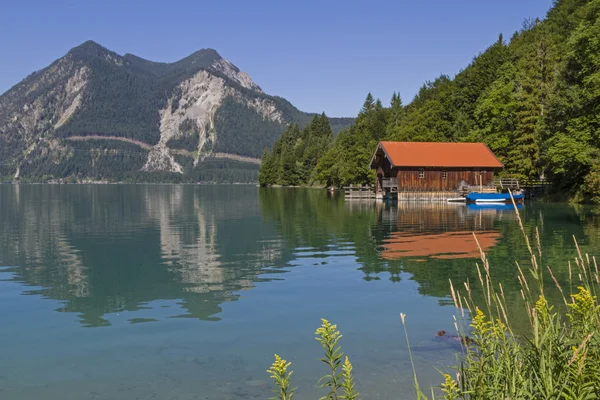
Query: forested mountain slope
column 534, row 100
column 96, row 115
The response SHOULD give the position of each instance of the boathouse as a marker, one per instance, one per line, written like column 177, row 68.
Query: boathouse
column 432, row 170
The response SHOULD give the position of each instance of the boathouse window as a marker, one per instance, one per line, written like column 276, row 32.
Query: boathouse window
column 421, row 173
column 444, row 174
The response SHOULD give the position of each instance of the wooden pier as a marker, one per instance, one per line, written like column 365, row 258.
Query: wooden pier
column 360, row 192
column 391, row 190
column 441, row 196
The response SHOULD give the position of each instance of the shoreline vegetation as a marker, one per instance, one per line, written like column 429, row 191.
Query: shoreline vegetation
column 556, row 356
column 534, row 100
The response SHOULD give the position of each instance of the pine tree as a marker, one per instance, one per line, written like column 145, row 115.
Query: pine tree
column 368, row 105
column 396, row 114
column 289, row 175
column 267, row 174
column 319, row 137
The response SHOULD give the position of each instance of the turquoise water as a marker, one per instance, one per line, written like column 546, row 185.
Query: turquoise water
column 186, row 292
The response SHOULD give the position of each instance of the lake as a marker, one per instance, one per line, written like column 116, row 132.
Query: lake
column 186, row 292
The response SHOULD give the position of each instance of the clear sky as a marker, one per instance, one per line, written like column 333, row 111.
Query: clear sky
column 320, row 55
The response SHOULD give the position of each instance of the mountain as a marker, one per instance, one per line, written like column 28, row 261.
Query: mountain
column 94, row 115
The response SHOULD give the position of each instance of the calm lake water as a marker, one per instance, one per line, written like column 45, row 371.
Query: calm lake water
column 186, row 292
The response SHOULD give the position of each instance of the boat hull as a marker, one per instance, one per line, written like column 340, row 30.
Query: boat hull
column 475, row 197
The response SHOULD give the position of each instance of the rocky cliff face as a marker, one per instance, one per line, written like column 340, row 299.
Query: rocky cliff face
column 199, row 97
column 94, row 114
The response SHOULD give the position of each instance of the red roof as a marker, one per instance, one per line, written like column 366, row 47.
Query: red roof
column 438, row 154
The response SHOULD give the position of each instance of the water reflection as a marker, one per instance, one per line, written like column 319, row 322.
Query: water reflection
column 183, row 251
column 440, row 230
column 103, row 250
column 156, row 262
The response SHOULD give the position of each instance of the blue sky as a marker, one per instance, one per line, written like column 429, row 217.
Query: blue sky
column 320, row 55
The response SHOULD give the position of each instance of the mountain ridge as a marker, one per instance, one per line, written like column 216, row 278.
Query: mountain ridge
column 202, row 104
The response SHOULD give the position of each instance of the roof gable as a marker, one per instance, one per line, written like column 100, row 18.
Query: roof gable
column 439, row 154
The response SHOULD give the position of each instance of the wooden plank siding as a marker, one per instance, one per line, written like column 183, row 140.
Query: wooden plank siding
column 383, row 171
column 433, row 180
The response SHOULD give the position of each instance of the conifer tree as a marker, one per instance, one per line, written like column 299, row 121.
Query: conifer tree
column 267, row 175
column 396, row 113
column 368, row 105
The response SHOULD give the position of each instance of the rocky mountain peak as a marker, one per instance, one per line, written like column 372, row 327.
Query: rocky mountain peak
column 90, row 50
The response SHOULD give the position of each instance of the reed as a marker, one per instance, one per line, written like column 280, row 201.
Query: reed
column 556, row 357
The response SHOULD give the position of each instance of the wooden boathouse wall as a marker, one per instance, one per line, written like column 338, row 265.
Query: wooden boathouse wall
column 430, row 184
column 433, row 180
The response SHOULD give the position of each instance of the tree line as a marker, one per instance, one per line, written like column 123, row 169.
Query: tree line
column 296, row 153
column 534, row 100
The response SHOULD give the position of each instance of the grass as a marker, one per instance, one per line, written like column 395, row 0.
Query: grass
column 557, row 356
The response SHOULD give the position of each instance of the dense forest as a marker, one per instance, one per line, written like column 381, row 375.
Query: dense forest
column 295, row 155
column 534, row 100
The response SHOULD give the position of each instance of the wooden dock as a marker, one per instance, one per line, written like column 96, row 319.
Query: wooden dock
column 393, row 192
column 441, row 196
column 360, row 192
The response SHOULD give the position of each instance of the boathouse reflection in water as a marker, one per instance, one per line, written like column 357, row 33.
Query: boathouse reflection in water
column 442, row 230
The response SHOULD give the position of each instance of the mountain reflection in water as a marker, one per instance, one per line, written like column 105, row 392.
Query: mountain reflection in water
column 170, row 251
column 102, row 249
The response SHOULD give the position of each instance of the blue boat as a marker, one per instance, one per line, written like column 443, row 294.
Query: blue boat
column 478, row 197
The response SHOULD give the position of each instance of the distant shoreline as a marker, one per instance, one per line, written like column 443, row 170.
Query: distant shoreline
column 131, row 183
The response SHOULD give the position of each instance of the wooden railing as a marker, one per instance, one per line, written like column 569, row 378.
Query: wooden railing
column 359, row 192
column 507, row 183
column 514, row 183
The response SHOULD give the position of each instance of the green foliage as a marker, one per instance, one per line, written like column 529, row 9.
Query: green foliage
column 281, row 377
column 189, row 139
column 97, row 160
column 295, row 155
column 340, row 383
column 558, row 354
column 217, row 170
column 535, row 101
column 348, row 160
column 429, row 117
column 396, row 114
column 329, row 337
column 241, row 130
column 348, row 385
column 268, row 172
